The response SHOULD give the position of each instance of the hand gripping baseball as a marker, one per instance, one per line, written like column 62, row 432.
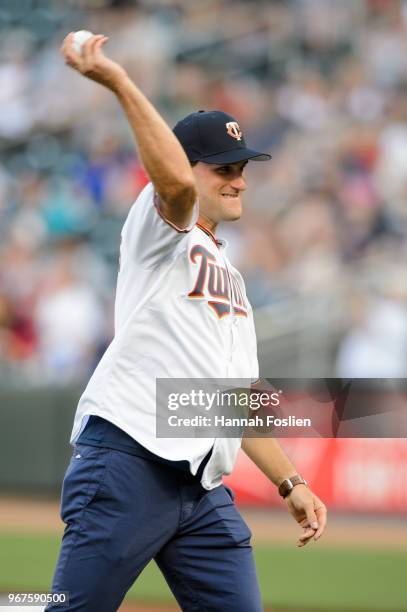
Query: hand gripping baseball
column 92, row 62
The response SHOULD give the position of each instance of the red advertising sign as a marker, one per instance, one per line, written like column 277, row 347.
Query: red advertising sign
column 366, row 475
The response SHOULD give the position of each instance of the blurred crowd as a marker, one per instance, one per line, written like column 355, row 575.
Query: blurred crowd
column 320, row 84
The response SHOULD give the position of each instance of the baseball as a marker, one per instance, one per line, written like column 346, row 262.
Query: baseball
column 79, row 39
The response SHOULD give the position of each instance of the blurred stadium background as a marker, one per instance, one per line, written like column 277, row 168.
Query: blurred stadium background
column 322, row 85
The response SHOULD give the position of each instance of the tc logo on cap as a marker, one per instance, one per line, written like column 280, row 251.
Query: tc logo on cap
column 233, row 129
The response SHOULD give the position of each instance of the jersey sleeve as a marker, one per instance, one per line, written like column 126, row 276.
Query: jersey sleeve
column 148, row 238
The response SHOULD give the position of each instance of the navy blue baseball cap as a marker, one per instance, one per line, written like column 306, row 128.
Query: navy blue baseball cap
column 214, row 137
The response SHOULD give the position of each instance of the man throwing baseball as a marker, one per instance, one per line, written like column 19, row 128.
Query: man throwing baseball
column 181, row 311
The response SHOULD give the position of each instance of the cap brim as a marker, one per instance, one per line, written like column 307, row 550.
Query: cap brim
column 234, row 156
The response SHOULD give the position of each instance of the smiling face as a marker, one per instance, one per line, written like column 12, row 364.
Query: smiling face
column 220, row 188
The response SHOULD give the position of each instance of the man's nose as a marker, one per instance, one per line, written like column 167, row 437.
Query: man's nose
column 238, row 183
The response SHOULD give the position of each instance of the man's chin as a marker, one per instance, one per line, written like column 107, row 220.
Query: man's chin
column 234, row 217
column 232, row 214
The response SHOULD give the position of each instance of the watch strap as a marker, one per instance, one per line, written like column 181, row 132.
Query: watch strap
column 289, row 483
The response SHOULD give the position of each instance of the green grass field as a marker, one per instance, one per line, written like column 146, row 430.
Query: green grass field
column 313, row 579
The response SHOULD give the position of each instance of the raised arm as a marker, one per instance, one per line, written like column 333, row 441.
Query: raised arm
column 162, row 155
column 304, row 505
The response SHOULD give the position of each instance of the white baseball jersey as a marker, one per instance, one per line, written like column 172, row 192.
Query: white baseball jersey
column 181, row 311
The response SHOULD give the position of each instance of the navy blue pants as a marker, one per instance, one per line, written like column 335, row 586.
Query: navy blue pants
column 123, row 510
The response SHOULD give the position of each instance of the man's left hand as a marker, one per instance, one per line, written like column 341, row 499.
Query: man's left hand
column 309, row 511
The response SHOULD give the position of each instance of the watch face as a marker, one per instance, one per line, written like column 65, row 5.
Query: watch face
column 285, row 487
